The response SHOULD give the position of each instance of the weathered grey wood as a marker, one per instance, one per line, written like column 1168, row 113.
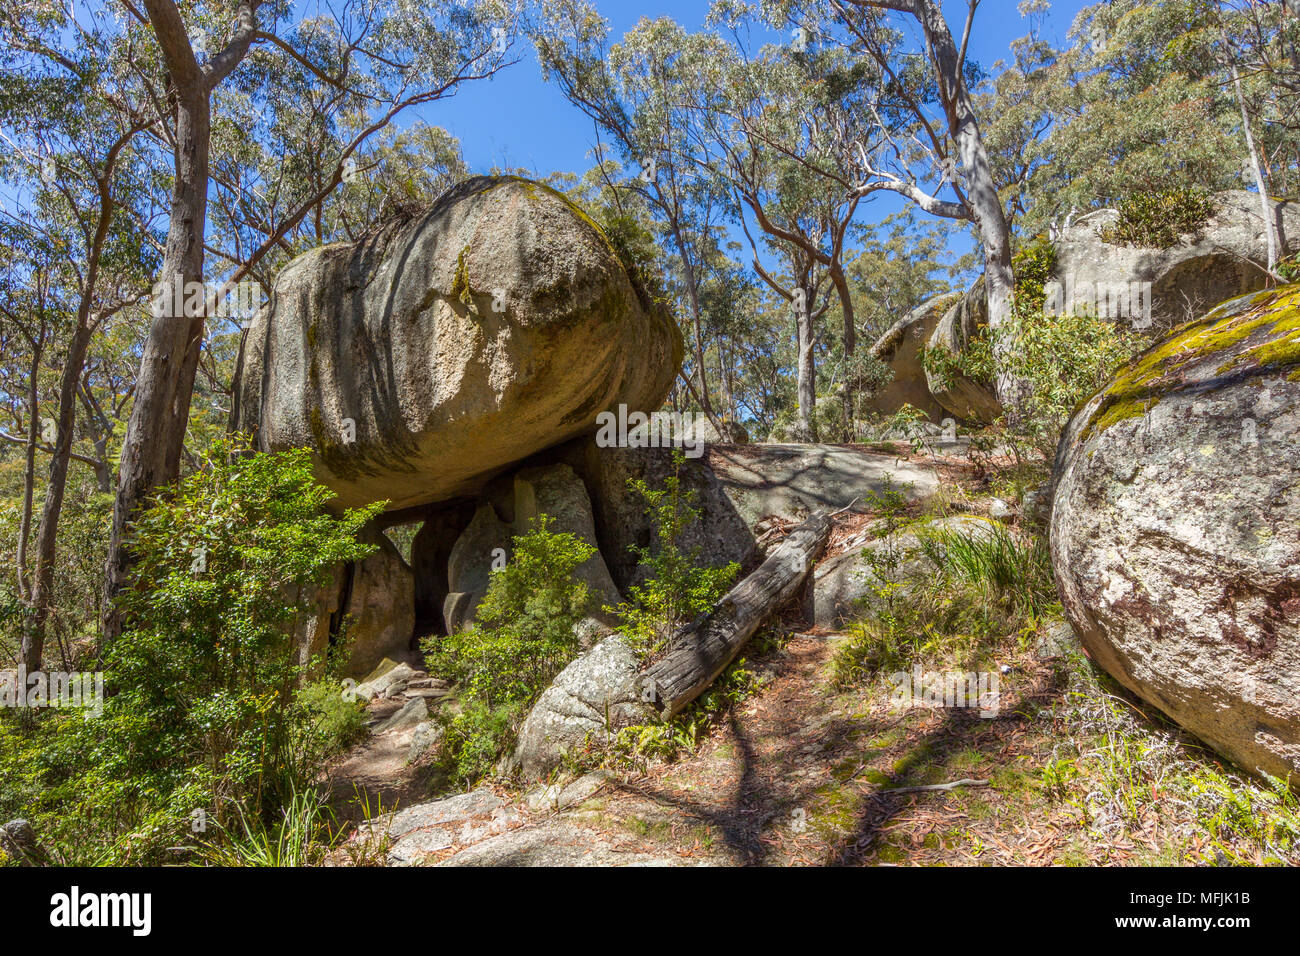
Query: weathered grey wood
column 699, row 653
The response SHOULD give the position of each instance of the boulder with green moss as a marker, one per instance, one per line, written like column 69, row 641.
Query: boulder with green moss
column 429, row 355
column 1175, row 528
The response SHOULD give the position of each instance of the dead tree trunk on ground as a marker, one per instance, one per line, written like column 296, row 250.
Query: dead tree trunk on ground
column 700, row 652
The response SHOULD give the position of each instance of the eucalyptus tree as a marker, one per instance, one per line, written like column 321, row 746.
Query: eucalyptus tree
column 74, row 119
column 630, row 92
column 910, row 126
column 758, row 122
column 352, row 69
column 1126, row 107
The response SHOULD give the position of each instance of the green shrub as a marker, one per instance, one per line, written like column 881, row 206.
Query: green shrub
column 985, row 585
column 1062, row 360
column 1159, row 219
column 523, row 636
column 1034, row 264
column 201, row 715
column 678, row 589
column 333, row 721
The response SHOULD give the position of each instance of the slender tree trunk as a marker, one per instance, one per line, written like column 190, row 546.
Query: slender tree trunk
column 156, row 431
column 807, row 382
column 1261, row 182
column 693, row 294
column 47, row 533
column 841, row 283
column 981, row 188
column 29, row 464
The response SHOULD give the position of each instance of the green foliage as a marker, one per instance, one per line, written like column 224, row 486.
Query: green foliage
column 334, row 721
column 678, row 590
column 1062, row 360
column 985, row 584
column 1158, row 219
column 523, row 636
column 1011, row 571
column 201, row 710
column 1237, row 818
column 1033, row 263
column 302, row 836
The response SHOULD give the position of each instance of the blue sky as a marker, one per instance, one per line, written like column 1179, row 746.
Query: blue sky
column 518, row 120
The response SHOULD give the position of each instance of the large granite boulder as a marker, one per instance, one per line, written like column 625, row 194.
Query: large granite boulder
column 900, row 348
column 1223, row 259
column 1175, row 528
column 422, row 359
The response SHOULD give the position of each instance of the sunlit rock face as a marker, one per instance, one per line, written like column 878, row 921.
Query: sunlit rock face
column 424, row 358
column 1176, row 528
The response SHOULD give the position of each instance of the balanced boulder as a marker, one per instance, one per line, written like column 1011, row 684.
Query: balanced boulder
column 901, row 349
column 424, row 358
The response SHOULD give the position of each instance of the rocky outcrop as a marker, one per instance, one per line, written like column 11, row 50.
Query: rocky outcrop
column 790, row 482
column 556, row 491
column 1175, row 528
column 380, row 606
column 484, row 545
column 900, row 348
column 720, row 536
column 969, row 399
column 1223, row 259
column 421, row 360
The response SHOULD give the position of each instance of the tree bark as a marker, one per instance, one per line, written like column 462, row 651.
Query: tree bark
column 701, row 651
column 981, row 189
column 29, row 461
column 33, row 646
column 156, row 430
column 1257, row 170
column 807, row 381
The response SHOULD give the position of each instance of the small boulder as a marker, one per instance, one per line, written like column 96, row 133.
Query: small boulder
column 900, row 348
column 967, row 398
column 556, row 491
column 590, row 700
column 18, row 843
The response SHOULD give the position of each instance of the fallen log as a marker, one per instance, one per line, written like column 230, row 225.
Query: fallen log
column 700, row 652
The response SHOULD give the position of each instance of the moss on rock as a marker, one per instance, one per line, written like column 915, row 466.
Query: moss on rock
column 1260, row 330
